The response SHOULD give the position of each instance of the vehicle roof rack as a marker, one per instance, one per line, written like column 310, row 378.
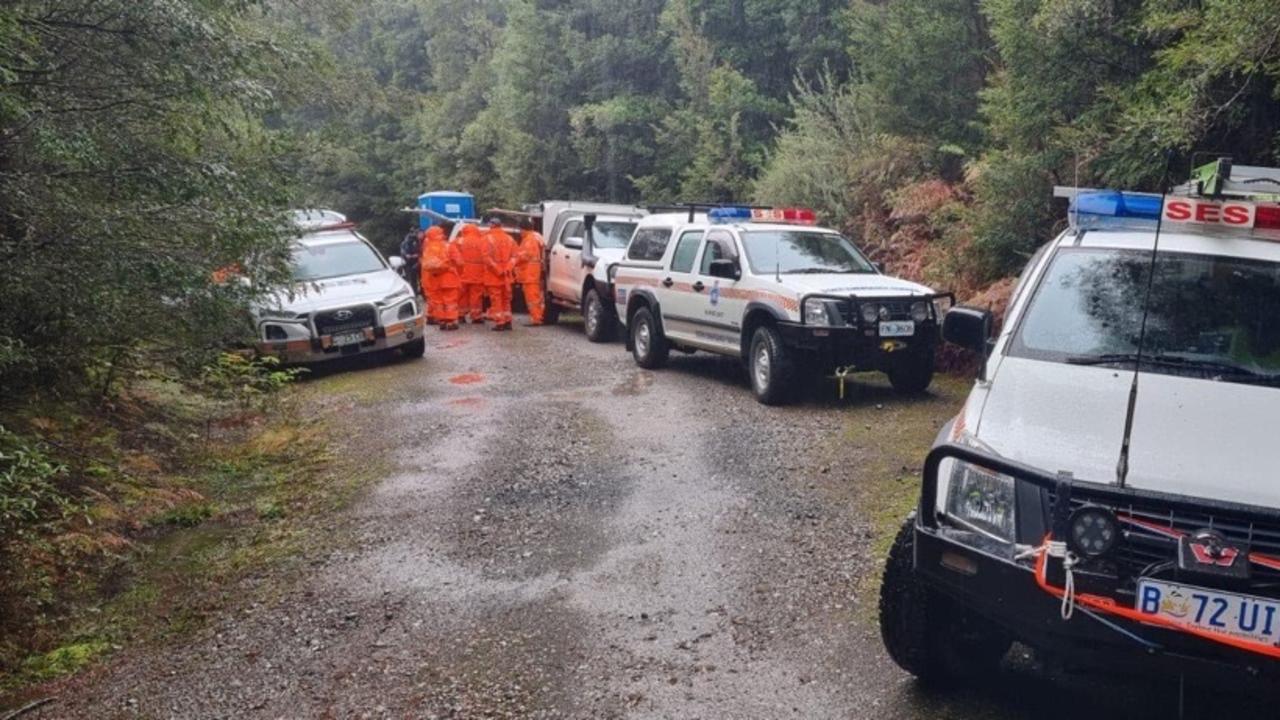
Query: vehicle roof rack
column 1223, row 179
column 694, row 207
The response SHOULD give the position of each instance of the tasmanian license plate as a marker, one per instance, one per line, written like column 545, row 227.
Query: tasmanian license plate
column 1233, row 614
column 897, row 328
column 353, row 338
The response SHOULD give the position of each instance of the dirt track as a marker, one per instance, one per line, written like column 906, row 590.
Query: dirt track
column 568, row 536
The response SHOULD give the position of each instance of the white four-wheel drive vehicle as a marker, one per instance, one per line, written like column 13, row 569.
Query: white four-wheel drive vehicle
column 1109, row 495
column 790, row 299
column 570, row 285
column 345, row 299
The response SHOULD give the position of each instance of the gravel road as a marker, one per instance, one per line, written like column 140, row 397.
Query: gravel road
column 565, row 535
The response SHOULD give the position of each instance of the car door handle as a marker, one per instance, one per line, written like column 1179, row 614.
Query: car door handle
column 698, row 286
column 668, row 282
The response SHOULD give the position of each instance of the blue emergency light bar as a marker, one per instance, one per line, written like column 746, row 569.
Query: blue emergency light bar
column 789, row 216
column 1114, row 209
column 729, row 214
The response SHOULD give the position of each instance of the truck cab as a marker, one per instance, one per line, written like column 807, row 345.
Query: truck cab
column 570, row 283
column 793, row 300
column 1107, row 494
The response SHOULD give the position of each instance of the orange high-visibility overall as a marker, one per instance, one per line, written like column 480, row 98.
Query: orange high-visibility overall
column 427, row 283
column 438, row 268
column 529, row 273
column 499, row 272
column 473, row 249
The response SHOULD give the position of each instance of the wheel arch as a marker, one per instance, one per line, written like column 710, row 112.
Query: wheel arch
column 637, row 300
column 757, row 314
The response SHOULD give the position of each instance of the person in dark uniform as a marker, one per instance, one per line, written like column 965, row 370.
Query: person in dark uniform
column 411, row 251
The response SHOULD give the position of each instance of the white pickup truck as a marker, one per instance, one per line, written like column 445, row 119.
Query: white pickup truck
column 570, row 285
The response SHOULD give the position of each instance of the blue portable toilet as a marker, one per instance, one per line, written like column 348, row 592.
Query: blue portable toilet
column 457, row 205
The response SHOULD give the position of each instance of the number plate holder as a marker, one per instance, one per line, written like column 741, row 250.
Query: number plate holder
column 897, row 328
column 348, row 338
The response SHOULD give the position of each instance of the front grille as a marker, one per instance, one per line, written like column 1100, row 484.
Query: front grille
column 328, row 322
column 850, row 312
column 1144, row 550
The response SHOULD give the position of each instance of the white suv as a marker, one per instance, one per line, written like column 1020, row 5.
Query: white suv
column 768, row 286
column 1108, row 493
column 345, row 299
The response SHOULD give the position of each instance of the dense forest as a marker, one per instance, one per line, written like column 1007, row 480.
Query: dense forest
column 933, row 130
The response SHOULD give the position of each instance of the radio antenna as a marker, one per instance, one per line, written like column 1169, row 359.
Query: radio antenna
column 1122, row 467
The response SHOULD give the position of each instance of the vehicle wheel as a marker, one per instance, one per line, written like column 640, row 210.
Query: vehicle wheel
column 596, row 318
column 415, row 349
column 911, row 375
column 925, row 634
column 648, row 345
column 770, row 367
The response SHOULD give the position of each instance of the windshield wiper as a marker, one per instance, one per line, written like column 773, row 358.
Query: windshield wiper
column 1175, row 361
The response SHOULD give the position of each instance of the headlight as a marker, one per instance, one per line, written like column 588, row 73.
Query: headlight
column 920, row 311
column 407, row 310
column 819, row 312
column 870, row 313
column 982, row 500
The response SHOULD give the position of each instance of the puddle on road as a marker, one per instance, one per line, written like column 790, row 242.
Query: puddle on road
column 467, row 379
column 637, row 384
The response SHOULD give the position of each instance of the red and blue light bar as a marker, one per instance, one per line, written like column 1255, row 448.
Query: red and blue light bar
column 792, row 216
column 1120, row 210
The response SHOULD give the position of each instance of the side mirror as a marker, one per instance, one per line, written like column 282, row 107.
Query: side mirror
column 397, row 262
column 573, row 242
column 970, row 328
column 723, row 268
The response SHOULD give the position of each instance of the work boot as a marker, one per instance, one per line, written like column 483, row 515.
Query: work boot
column 450, row 326
column 531, row 323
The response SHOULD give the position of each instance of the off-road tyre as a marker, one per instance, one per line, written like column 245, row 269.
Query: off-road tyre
column 414, row 349
column 771, row 368
column 925, row 633
column 597, row 320
column 550, row 311
column 912, row 374
column 649, row 346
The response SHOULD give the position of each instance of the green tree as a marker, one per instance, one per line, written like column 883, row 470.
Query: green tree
column 134, row 161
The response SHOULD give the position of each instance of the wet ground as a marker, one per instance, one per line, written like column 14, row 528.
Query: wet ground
column 567, row 536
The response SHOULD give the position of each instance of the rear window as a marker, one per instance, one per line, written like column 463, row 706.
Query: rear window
column 686, row 251
column 649, row 244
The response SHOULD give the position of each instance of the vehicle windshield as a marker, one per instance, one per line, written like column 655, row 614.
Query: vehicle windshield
column 319, row 262
column 802, row 251
column 612, row 235
column 1211, row 316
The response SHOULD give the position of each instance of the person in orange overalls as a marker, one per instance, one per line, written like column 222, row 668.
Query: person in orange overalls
column 439, row 272
column 426, row 283
column 529, row 272
column 499, row 272
column 473, row 249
